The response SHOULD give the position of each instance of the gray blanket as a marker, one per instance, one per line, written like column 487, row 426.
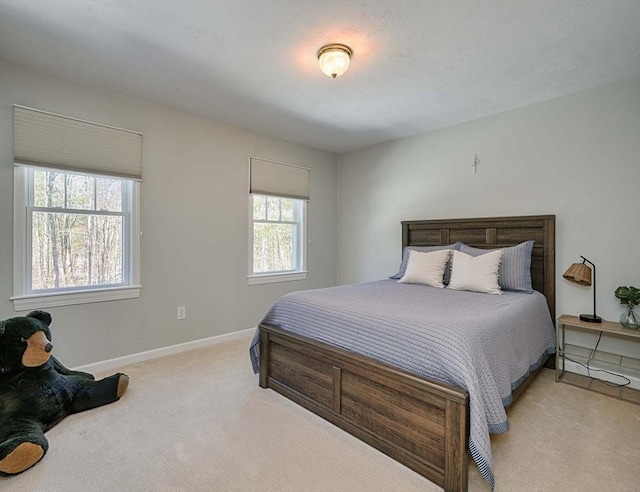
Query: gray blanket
column 485, row 344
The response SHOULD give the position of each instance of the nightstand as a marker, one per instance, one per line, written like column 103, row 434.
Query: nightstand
column 611, row 362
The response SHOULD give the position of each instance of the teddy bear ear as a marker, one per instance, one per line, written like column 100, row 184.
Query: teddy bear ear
column 42, row 316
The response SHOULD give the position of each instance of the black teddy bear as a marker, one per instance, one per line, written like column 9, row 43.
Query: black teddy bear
column 37, row 391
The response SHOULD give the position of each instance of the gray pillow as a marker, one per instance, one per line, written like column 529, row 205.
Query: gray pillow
column 425, row 249
column 515, row 269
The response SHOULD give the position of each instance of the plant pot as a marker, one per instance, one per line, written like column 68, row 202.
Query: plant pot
column 628, row 319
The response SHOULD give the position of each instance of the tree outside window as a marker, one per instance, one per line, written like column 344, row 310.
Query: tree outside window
column 278, row 235
column 78, row 234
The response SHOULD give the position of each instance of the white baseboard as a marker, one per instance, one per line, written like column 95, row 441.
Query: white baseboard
column 118, row 362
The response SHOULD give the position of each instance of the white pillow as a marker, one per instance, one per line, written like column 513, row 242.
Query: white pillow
column 426, row 268
column 478, row 274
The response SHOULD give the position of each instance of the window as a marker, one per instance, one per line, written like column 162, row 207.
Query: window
column 78, row 235
column 76, row 232
column 278, row 208
column 278, row 236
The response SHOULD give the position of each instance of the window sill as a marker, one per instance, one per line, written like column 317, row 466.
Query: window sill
column 38, row 301
column 276, row 277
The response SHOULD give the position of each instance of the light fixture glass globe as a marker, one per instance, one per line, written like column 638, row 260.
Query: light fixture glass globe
column 334, row 59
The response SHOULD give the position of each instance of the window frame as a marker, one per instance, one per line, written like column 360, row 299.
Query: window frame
column 300, row 246
column 24, row 297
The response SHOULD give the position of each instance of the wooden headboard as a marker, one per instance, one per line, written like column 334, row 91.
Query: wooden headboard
column 493, row 233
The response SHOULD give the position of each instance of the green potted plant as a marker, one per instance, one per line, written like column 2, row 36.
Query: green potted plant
column 630, row 297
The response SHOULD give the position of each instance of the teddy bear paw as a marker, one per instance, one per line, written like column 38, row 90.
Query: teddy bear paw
column 123, row 383
column 24, row 456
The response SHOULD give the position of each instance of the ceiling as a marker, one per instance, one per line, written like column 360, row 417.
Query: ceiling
column 417, row 65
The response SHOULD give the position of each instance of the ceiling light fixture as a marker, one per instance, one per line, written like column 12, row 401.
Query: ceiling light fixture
column 334, row 59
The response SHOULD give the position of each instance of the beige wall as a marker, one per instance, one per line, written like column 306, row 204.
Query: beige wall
column 577, row 157
column 194, row 218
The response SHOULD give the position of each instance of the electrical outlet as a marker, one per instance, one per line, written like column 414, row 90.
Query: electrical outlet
column 182, row 312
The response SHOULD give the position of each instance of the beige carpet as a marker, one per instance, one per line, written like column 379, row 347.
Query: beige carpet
column 199, row 422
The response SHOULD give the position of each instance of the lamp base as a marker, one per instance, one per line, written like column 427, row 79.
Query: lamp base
column 590, row 318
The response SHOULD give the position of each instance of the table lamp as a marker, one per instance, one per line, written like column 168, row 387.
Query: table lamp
column 580, row 273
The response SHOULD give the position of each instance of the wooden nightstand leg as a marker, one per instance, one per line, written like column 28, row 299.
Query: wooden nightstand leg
column 560, row 353
column 558, row 350
column 564, row 354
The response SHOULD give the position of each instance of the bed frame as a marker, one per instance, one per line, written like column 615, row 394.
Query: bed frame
column 418, row 422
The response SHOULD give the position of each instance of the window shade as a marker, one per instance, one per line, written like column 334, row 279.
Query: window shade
column 50, row 140
column 278, row 179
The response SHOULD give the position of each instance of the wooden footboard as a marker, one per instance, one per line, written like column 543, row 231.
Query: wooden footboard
column 419, row 423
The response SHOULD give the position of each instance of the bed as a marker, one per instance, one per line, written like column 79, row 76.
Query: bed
column 426, row 423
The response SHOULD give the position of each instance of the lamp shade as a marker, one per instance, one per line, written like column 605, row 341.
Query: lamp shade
column 578, row 273
column 334, row 59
